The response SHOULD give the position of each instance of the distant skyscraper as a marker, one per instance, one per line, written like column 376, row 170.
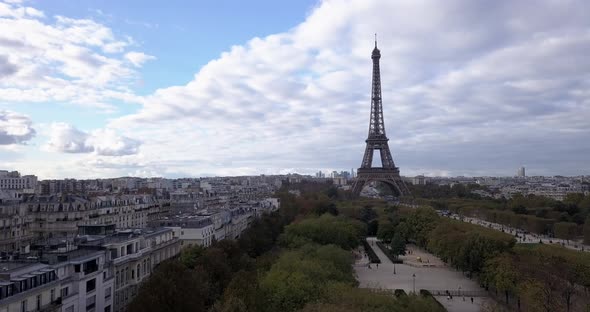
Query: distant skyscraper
column 521, row 172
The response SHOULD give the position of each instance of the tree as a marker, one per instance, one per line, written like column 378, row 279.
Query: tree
column 565, row 230
column 327, row 229
column 500, row 273
column 519, row 209
column 172, row 287
column 240, row 295
column 385, row 231
column 587, row 231
column 373, row 228
column 398, row 245
column 190, row 255
column 367, row 213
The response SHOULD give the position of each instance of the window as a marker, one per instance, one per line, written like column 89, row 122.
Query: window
column 107, row 293
column 52, row 295
column 23, row 306
column 107, row 308
column 64, row 292
column 90, row 285
column 39, row 302
column 90, row 303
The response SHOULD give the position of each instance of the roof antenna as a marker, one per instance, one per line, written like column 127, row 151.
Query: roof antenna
column 375, row 40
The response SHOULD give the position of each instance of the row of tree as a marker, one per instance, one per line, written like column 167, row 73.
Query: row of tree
column 569, row 219
column 541, row 278
column 532, row 277
column 466, row 246
column 463, row 245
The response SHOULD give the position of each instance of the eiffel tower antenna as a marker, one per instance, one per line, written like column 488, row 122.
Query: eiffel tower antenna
column 377, row 140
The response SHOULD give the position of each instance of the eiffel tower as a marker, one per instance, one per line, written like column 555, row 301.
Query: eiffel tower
column 388, row 173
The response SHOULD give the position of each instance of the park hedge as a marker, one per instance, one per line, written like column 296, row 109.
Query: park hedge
column 370, row 252
column 399, row 293
column 426, row 293
column 387, row 252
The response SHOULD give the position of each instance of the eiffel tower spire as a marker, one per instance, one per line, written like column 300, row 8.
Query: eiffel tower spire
column 377, row 141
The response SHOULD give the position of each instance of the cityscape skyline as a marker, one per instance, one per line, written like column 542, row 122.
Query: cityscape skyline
column 478, row 92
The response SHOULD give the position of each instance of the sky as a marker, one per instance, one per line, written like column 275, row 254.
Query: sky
column 96, row 89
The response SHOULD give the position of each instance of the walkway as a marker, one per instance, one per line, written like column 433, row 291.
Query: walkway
column 381, row 276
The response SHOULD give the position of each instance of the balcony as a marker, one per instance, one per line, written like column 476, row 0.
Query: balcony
column 143, row 252
column 53, row 306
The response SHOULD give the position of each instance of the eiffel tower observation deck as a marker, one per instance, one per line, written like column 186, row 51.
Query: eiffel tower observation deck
column 377, row 140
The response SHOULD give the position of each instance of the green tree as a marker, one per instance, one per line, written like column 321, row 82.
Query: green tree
column 565, row 230
column 519, row 209
column 190, row 255
column 420, row 222
column 241, row 294
column 323, row 230
column 501, row 273
column 305, row 275
column 398, row 245
column 587, row 231
column 172, row 287
column 367, row 213
column 386, row 230
column 372, row 228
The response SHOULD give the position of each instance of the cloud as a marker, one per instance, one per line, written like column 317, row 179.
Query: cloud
column 469, row 88
column 138, row 58
column 457, row 77
column 6, row 68
column 104, row 142
column 62, row 59
column 15, row 128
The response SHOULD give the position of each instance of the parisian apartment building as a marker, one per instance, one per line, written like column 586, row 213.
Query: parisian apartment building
column 87, row 245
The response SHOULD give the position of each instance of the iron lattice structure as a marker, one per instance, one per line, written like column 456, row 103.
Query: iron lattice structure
column 377, row 140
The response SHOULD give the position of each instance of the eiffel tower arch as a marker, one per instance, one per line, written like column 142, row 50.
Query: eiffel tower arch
column 377, row 140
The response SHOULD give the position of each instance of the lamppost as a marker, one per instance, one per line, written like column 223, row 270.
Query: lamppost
column 414, row 277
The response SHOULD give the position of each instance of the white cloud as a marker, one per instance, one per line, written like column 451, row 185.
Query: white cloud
column 15, row 128
column 138, row 58
column 468, row 88
column 455, row 78
column 62, row 59
column 104, row 142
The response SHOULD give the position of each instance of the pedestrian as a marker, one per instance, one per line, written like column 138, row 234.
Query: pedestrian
column 377, row 265
column 471, row 299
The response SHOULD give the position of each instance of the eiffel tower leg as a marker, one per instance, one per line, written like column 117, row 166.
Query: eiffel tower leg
column 358, row 187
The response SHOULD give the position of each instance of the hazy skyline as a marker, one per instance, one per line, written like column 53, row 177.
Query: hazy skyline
column 89, row 89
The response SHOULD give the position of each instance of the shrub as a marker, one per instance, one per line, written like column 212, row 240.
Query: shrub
column 371, row 253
